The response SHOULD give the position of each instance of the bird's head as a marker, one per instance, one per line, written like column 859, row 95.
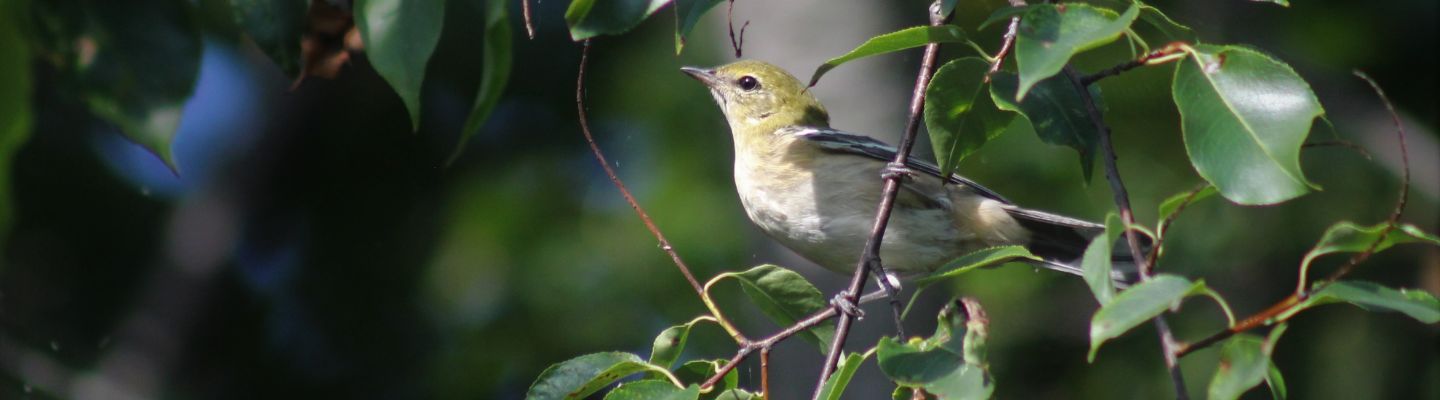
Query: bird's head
column 759, row 98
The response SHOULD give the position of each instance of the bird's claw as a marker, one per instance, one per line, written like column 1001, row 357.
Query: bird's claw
column 844, row 305
column 896, row 171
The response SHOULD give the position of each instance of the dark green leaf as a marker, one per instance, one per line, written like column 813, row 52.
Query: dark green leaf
column 1244, row 116
column 653, row 389
column 785, row 297
column 276, row 26
column 1418, row 304
column 977, row 259
column 591, row 18
column 15, row 114
column 737, row 394
column 1347, row 237
column 1004, row 14
column 959, row 113
column 947, row 7
column 1096, row 263
column 907, row 38
column 698, row 371
column 1172, row 204
column 966, row 382
column 688, row 13
column 1049, row 35
column 1136, row 305
column 1282, row 3
column 910, row 365
column 670, row 343
column 581, row 376
column 1173, row 31
column 1056, row 111
column 1243, row 364
column 494, row 74
column 399, row 37
column 835, row 385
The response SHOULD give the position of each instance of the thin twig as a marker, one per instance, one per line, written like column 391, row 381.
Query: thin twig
column 765, row 372
column 615, row 179
column 1007, row 43
column 1339, row 143
column 525, row 12
column 1160, row 56
column 1127, row 215
column 870, row 257
column 730, row 21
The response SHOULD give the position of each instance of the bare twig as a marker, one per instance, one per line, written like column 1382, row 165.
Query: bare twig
column 870, row 257
column 765, row 372
column 615, row 179
column 1008, row 43
column 1127, row 215
column 1160, row 56
column 525, row 12
column 730, row 21
column 1339, row 143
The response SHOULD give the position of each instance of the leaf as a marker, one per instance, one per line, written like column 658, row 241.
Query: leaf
column 687, row 14
column 670, row 343
column 591, row 18
column 1244, row 117
column 1173, row 31
column 966, row 382
column 959, row 113
column 909, row 365
column 737, row 394
column 652, row 389
column 15, row 107
column 1276, row 381
column 978, row 259
column 399, row 38
column 1171, row 205
column 276, row 26
column 1282, row 3
column 494, row 73
column 1050, row 34
column 1136, row 305
column 581, row 376
column 1004, row 14
column 1347, row 237
column 1417, row 304
column 1243, row 365
column 1096, row 262
column 701, row 370
column 785, row 297
column 834, row 386
column 1056, row 111
column 907, row 38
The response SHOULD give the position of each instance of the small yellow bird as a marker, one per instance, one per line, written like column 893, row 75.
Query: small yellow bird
column 815, row 189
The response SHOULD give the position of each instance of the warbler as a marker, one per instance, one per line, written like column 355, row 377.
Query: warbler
column 815, row 189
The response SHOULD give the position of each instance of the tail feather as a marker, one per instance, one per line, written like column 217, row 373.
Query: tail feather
column 1061, row 241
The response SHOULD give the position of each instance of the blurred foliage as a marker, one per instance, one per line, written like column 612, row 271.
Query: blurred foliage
column 311, row 246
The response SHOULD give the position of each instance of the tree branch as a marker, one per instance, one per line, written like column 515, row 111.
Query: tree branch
column 525, row 12
column 1160, row 56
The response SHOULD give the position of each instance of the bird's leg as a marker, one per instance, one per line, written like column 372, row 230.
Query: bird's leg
column 890, row 285
column 896, row 171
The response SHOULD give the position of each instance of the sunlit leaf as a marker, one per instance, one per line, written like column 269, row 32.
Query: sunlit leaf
column 977, row 259
column 1096, row 262
column 907, row 38
column 688, row 13
column 1243, row 365
column 835, row 385
column 1244, row 116
column 1056, row 111
column 15, row 113
column 276, row 26
column 653, row 389
column 399, row 38
column 1050, row 34
column 591, row 18
column 1416, row 303
column 581, row 376
column 785, row 297
column 959, row 113
column 494, row 73
column 1136, row 305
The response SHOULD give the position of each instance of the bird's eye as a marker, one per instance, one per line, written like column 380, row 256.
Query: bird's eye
column 748, row 83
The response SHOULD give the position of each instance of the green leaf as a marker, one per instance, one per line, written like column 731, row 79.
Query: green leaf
column 1096, row 262
column 910, row 365
column 785, row 297
column 687, row 14
column 653, row 389
column 494, row 74
column 834, row 386
column 1348, row 237
column 1056, row 111
column 947, row 7
column 1004, row 14
column 1173, row 31
column 15, row 113
column 399, row 38
column 966, row 382
column 1050, row 34
column 737, row 394
column 1243, row 365
column 959, row 113
column 591, row 18
column 581, row 376
column 697, row 371
column 1171, row 205
column 1136, row 305
column 907, row 38
column 1282, row 3
column 1244, row 117
column 1418, row 304
column 1276, row 381
column 978, row 259
column 670, row 343
column 276, row 26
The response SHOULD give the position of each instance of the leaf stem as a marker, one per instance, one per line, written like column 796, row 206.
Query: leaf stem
column 1171, row 52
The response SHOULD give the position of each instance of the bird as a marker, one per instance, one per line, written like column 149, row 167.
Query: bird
column 815, row 189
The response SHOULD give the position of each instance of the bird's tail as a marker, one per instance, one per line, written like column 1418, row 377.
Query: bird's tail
column 1061, row 241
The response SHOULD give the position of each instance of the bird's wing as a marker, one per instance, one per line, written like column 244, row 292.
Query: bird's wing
column 865, row 146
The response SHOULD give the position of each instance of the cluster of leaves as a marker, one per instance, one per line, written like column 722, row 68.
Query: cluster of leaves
column 1245, row 116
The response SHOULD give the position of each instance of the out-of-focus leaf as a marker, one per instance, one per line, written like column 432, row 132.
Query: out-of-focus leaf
column 947, row 7
column 835, row 385
column 959, row 113
column 687, row 14
column 276, row 26
column 1418, row 304
column 1096, row 262
column 591, row 18
column 967, row 382
column 494, row 73
column 1056, row 110
column 1136, row 305
column 1172, row 204
column 15, row 113
column 580, row 376
column 1282, row 3
column 1276, row 381
column 1347, row 237
column 670, row 343
column 653, row 389
column 907, row 38
column 1243, row 365
column 1172, row 30
column 1004, row 14
column 1244, row 116
column 1050, row 34
column 399, row 38
column 977, row 259
column 785, row 297
column 738, row 394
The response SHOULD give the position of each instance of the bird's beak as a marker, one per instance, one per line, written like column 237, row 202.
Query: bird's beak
column 705, row 76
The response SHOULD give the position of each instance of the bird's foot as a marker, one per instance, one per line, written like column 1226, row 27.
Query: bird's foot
column 844, row 305
column 897, row 171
